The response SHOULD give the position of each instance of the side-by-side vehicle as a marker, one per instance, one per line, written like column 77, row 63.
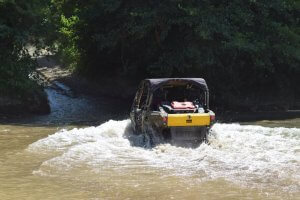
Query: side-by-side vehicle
column 173, row 110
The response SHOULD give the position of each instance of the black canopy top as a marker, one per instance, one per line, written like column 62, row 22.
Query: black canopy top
column 156, row 83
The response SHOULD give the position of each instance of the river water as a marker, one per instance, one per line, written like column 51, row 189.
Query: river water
column 61, row 156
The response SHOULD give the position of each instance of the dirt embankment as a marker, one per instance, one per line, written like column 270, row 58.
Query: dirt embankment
column 50, row 74
column 116, row 87
column 34, row 101
column 30, row 101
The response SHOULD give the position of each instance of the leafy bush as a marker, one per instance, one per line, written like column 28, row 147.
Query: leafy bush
column 241, row 48
column 21, row 23
column 246, row 49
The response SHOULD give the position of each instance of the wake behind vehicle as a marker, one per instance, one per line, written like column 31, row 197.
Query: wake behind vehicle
column 174, row 110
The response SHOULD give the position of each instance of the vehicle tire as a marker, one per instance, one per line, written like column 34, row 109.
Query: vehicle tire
column 148, row 137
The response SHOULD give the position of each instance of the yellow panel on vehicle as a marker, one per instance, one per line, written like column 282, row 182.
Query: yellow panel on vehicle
column 193, row 119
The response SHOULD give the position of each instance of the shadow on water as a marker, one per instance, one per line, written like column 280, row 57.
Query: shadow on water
column 231, row 116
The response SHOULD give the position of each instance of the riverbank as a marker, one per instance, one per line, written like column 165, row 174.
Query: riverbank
column 32, row 101
column 117, row 87
column 121, row 91
column 124, row 90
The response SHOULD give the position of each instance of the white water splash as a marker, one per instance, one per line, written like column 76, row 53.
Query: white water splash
column 252, row 156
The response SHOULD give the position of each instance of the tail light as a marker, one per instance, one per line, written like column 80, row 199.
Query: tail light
column 212, row 117
column 165, row 120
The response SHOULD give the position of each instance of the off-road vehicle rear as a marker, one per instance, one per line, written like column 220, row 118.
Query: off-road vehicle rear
column 174, row 110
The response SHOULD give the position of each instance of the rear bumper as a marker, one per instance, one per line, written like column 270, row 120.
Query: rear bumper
column 192, row 119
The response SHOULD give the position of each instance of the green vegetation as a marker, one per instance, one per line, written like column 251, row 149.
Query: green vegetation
column 21, row 24
column 246, row 50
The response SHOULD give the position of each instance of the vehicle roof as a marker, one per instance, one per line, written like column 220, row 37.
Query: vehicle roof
column 158, row 82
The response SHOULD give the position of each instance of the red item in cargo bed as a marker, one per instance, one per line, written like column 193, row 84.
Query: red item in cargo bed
column 182, row 105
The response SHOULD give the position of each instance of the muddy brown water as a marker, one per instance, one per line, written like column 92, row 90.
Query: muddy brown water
column 60, row 156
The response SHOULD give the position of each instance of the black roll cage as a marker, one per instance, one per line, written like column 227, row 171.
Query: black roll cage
column 153, row 84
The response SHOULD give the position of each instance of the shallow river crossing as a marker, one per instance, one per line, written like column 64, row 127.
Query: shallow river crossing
column 60, row 160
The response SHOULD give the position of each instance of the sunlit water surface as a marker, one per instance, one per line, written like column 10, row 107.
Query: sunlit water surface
column 109, row 162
